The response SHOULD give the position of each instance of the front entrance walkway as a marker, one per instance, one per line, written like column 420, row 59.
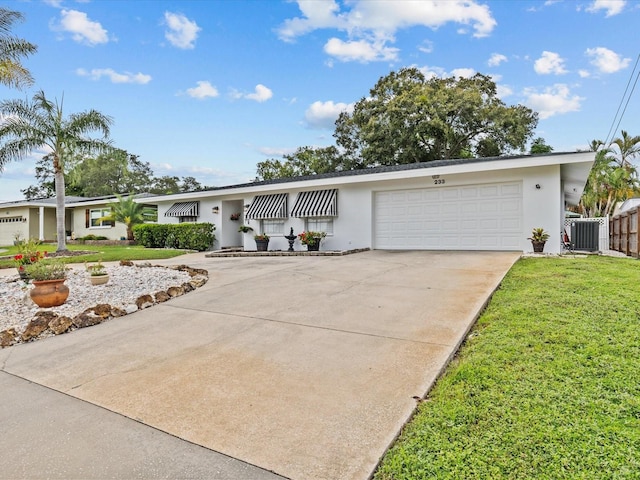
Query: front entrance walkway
column 304, row 366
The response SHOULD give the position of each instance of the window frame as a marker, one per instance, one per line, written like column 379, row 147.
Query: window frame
column 104, row 224
column 329, row 221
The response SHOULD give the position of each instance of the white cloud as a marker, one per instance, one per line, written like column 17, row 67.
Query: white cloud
column 553, row 100
column 584, row 73
column 81, row 28
column 463, row 72
column 613, row 7
column 182, row 32
column 115, row 77
column 275, row 152
column 360, row 50
column 549, row 62
column 261, row 94
column 370, row 26
column 496, row 59
column 503, row 91
column 323, row 115
column 426, row 47
column 203, row 90
column 607, row 61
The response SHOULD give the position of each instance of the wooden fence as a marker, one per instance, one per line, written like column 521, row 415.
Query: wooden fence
column 623, row 232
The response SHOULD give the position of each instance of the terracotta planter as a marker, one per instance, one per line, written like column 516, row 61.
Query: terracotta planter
column 98, row 279
column 49, row 293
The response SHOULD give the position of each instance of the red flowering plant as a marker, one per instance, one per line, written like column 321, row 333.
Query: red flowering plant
column 28, row 253
column 311, row 238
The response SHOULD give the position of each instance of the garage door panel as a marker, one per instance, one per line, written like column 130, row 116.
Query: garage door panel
column 480, row 217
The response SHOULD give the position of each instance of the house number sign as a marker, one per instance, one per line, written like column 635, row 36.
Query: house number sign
column 437, row 180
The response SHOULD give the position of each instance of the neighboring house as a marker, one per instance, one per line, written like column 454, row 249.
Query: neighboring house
column 467, row 204
column 37, row 219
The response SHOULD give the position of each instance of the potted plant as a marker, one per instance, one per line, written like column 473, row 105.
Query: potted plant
column 262, row 242
column 312, row 239
column 48, row 279
column 28, row 253
column 538, row 238
column 234, row 217
column 245, row 228
column 98, row 274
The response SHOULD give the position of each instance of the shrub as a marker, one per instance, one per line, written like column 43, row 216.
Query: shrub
column 189, row 236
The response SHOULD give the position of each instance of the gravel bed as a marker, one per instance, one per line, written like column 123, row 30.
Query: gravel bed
column 125, row 285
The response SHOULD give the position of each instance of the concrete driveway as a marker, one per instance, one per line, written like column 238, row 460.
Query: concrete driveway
column 303, row 366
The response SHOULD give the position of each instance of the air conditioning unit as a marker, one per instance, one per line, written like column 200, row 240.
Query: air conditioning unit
column 585, row 236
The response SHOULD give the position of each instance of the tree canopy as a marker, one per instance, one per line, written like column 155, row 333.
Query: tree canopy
column 408, row 118
column 12, row 50
column 27, row 126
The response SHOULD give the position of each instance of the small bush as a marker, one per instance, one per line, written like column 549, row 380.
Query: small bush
column 91, row 236
column 189, row 236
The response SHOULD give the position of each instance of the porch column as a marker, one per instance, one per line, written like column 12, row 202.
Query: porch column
column 41, row 223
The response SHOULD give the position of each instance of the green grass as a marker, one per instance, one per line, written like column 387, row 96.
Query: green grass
column 105, row 253
column 547, row 386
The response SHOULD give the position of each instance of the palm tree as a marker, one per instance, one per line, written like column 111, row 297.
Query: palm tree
column 28, row 126
column 12, row 73
column 628, row 147
column 126, row 211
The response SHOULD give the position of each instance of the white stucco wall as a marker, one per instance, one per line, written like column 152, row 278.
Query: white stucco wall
column 353, row 227
column 80, row 230
column 8, row 229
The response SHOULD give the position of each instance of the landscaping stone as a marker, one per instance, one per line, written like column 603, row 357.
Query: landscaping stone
column 36, row 326
column 60, row 325
column 144, row 301
column 161, row 296
column 7, row 337
column 175, row 291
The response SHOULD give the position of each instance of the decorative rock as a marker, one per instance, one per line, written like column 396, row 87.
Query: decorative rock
column 87, row 319
column 175, row 291
column 118, row 312
column 198, row 281
column 126, row 263
column 144, row 301
column 161, row 296
column 60, row 325
column 187, row 287
column 102, row 310
column 7, row 337
column 130, row 308
column 36, row 326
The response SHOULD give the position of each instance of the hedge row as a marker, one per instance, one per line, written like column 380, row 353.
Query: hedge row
column 190, row 236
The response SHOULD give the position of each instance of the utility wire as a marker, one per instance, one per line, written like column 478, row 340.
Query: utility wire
column 611, row 129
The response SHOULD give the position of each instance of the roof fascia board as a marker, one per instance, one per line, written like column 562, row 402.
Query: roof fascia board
column 471, row 167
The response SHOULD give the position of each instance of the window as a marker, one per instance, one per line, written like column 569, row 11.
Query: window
column 320, row 224
column 95, row 215
column 273, row 227
column 187, row 219
column 12, row 219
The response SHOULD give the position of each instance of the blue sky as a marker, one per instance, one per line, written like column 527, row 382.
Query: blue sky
column 210, row 88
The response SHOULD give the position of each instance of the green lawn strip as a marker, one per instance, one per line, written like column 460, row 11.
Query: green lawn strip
column 104, row 253
column 547, row 386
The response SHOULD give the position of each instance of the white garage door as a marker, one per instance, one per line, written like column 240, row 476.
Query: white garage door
column 474, row 217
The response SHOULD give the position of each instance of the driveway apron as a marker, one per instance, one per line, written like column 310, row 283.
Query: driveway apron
column 304, row 366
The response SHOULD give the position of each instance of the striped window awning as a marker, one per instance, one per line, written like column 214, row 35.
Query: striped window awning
column 268, row 206
column 317, row 203
column 183, row 209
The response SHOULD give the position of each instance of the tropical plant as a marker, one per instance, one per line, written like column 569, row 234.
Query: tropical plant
column 245, row 229
column 261, row 237
column 28, row 126
column 609, row 182
column 47, row 270
column 311, row 237
column 28, row 252
column 96, row 270
column 628, row 147
column 539, row 235
column 12, row 49
column 127, row 211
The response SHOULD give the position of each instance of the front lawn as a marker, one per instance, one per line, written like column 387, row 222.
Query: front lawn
column 547, row 385
column 105, row 253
